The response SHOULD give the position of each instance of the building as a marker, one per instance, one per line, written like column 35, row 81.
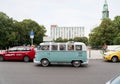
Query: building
column 105, row 12
column 66, row 32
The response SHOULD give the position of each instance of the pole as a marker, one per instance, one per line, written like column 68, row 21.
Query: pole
column 32, row 36
column 31, row 41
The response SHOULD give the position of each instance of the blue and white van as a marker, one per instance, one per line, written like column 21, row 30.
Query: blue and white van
column 74, row 53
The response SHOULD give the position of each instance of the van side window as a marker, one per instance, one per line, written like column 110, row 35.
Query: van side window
column 78, row 47
column 45, row 47
column 54, row 47
column 70, row 47
column 62, row 47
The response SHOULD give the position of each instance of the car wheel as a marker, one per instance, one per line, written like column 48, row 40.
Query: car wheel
column 76, row 63
column 114, row 59
column 1, row 58
column 26, row 59
column 44, row 62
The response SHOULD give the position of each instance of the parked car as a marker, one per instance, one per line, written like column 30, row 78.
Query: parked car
column 115, row 80
column 113, row 55
column 24, row 53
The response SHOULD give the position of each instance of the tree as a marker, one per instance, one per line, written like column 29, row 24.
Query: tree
column 59, row 39
column 116, row 41
column 65, row 40
column 76, row 39
column 6, row 25
column 81, row 39
column 116, row 22
column 14, row 33
column 39, row 30
column 104, row 33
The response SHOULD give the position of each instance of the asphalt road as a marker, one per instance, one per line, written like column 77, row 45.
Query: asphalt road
column 96, row 72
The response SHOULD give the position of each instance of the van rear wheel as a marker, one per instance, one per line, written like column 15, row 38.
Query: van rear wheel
column 76, row 63
column 44, row 62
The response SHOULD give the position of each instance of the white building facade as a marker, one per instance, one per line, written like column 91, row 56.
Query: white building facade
column 66, row 32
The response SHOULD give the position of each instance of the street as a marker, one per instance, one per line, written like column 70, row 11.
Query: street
column 96, row 72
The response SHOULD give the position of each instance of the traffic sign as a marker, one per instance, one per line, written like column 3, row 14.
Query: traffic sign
column 32, row 34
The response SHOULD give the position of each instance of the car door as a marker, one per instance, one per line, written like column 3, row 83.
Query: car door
column 20, row 53
column 10, row 53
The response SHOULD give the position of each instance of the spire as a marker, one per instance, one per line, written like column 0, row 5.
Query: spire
column 105, row 2
column 105, row 12
column 105, row 7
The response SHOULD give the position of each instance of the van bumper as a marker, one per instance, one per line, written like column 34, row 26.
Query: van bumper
column 36, row 62
column 84, row 63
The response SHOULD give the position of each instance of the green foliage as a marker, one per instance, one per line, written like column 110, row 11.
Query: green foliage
column 76, row 39
column 59, row 39
column 116, row 41
column 14, row 33
column 65, row 40
column 107, row 32
column 81, row 39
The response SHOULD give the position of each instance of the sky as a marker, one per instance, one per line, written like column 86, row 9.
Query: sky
column 87, row 13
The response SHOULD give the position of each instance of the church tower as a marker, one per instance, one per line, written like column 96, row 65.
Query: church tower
column 105, row 12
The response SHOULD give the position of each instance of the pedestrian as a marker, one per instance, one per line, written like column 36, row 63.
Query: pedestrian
column 105, row 47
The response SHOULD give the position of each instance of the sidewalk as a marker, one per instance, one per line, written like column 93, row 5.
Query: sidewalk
column 94, row 54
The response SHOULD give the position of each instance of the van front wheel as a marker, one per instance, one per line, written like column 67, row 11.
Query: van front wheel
column 44, row 62
column 76, row 63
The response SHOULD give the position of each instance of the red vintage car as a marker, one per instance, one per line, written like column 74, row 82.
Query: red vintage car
column 24, row 53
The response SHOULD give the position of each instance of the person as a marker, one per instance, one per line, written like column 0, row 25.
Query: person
column 71, row 47
column 61, row 47
column 105, row 47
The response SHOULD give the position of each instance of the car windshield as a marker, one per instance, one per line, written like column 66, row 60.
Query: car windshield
column 116, row 80
column 117, row 49
column 13, row 49
column 19, row 48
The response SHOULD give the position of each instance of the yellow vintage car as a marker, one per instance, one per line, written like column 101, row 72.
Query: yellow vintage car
column 113, row 56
